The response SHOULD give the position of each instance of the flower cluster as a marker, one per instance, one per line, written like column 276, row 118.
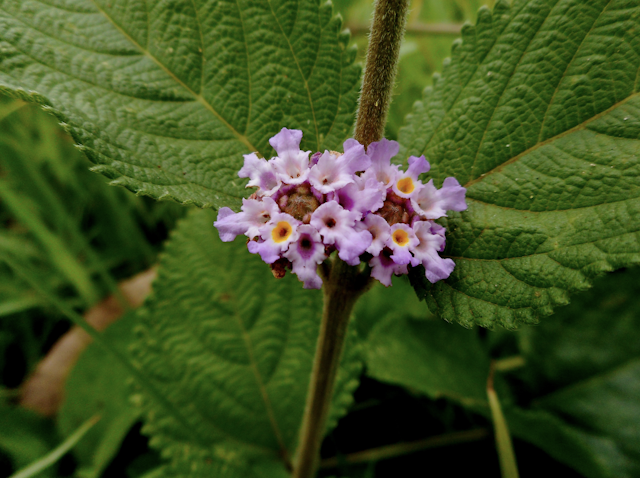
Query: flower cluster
column 356, row 203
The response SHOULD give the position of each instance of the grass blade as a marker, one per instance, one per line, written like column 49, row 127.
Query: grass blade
column 58, row 452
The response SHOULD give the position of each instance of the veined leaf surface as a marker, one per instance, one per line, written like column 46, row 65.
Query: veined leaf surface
column 231, row 348
column 538, row 115
column 166, row 95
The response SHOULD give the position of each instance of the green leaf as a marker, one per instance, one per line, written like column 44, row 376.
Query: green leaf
column 538, row 115
column 381, row 303
column 99, row 386
column 165, row 97
column 584, row 369
column 576, row 395
column 232, row 349
column 596, row 333
column 433, row 357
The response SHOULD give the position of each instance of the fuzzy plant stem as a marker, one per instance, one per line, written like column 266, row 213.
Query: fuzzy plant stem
column 387, row 30
column 342, row 288
column 344, row 284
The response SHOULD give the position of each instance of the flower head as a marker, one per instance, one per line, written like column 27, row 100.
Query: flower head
column 356, row 204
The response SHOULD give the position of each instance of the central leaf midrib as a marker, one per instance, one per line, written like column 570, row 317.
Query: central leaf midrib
column 242, row 138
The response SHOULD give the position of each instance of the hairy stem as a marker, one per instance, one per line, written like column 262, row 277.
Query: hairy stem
column 387, row 30
column 342, row 288
column 345, row 284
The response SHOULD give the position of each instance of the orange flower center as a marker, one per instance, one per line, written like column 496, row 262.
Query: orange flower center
column 400, row 237
column 405, row 185
column 281, row 232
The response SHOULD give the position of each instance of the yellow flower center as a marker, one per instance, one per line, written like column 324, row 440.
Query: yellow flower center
column 406, row 186
column 400, row 237
column 281, row 232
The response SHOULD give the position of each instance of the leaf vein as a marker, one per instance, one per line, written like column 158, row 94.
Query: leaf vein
column 242, row 138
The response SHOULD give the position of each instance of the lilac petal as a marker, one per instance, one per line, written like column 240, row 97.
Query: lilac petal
column 408, row 185
column 361, row 196
column 334, row 171
column 330, row 173
column 453, row 195
column 426, row 253
column 286, row 142
column 291, row 164
column 314, row 158
column 438, row 268
column 229, row 224
column 417, row 166
column 380, row 232
column 268, row 252
column 351, row 247
column 355, row 156
column 305, row 255
column 380, row 153
column 383, row 267
column 261, row 174
column 333, row 222
column 427, row 202
column 257, row 213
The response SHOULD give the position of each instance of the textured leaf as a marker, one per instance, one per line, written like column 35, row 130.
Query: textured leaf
column 166, row 95
column 538, row 115
column 231, row 348
column 99, row 386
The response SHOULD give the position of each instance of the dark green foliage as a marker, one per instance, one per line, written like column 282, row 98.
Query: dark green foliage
column 576, row 396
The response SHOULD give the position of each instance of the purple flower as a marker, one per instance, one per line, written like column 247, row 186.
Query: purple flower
column 305, row 254
column 291, row 164
column 408, row 183
column 402, row 240
column 380, row 232
column 253, row 216
column 426, row 253
column 276, row 236
column 452, row 195
column 336, row 225
column 380, row 153
column 361, row 196
column 433, row 203
column 261, row 174
column 353, row 203
column 334, row 171
column 383, row 267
